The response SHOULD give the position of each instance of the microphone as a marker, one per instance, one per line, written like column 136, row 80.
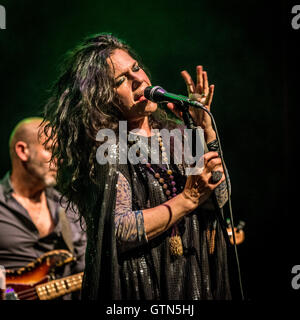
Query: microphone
column 158, row 94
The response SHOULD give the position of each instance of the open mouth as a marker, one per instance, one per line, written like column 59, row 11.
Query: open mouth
column 141, row 99
column 139, row 96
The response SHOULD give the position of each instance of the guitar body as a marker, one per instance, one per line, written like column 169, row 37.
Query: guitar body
column 23, row 282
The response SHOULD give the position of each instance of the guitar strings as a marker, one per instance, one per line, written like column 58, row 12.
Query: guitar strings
column 26, row 294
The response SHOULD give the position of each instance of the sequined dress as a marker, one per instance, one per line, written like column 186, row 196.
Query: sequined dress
column 122, row 264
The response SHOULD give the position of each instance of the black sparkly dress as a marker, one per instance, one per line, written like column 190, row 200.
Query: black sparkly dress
column 138, row 269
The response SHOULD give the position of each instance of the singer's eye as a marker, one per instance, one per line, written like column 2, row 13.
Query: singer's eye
column 136, row 68
column 119, row 81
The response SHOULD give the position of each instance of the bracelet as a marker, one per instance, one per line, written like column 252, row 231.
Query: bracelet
column 213, row 145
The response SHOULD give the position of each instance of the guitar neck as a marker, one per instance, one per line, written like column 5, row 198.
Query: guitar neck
column 56, row 288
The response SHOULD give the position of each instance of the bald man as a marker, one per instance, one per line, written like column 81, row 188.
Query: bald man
column 32, row 220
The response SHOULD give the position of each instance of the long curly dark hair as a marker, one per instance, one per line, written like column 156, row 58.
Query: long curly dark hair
column 82, row 102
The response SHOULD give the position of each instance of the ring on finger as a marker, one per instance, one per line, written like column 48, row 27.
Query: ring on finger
column 216, row 176
column 195, row 96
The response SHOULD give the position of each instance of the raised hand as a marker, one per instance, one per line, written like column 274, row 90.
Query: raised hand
column 202, row 92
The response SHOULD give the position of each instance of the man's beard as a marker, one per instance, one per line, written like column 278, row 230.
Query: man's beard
column 39, row 172
column 49, row 181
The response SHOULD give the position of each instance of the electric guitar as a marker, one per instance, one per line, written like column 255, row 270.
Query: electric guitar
column 36, row 281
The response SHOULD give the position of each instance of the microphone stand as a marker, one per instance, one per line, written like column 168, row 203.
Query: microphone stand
column 189, row 122
column 187, row 118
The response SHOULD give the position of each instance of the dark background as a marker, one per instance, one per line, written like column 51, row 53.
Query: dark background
column 250, row 52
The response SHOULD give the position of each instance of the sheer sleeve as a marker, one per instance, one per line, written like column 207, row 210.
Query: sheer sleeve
column 129, row 224
column 222, row 193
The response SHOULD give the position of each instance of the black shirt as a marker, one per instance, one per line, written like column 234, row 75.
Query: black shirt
column 20, row 242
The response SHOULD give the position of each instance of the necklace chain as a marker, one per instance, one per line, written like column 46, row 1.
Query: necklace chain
column 164, row 176
column 166, row 179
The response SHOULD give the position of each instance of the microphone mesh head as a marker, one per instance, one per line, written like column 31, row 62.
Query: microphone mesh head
column 147, row 92
column 154, row 93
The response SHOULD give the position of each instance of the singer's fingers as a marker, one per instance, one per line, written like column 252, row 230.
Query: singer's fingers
column 205, row 83
column 172, row 106
column 213, row 164
column 199, row 72
column 210, row 95
column 209, row 156
column 188, row 81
